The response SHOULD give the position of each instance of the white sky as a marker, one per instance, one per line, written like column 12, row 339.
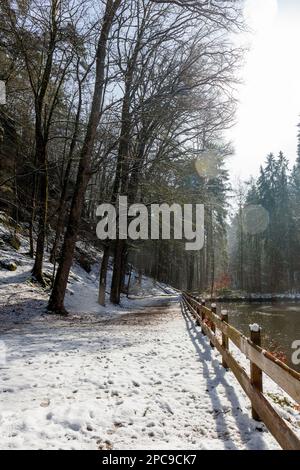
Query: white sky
column 269, row 108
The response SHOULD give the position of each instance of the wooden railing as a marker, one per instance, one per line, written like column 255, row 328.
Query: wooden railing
column 260, row 361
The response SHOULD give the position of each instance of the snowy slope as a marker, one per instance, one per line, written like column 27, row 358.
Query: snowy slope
column 22, row 298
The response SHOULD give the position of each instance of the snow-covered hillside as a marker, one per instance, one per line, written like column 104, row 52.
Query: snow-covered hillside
column 20, row 297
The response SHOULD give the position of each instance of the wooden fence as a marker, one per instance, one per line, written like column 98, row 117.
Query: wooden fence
column 260, row 361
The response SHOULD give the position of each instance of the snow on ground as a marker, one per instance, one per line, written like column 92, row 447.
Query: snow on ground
column 140, row 381
column 139, row 376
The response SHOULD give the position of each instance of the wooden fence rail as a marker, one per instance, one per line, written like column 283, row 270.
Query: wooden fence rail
column 260, row 361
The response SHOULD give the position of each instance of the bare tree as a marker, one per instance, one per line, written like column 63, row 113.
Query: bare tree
column 190, row 69
column 56, row 302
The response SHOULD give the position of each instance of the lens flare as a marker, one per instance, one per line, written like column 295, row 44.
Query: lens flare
column 255, row 219
column 207, row 165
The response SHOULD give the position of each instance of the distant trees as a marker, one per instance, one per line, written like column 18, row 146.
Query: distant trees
column 167, row 260
column 270, row 243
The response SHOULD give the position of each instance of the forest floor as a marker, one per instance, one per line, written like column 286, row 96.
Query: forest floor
column 140, row 376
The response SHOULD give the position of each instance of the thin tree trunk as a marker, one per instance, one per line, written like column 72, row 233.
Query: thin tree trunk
column 32, row 218
column 122, row 171
column 37, row 271
column 41, row 139
column 103, row 276
column 63, row 197
column 123, row 269
column 115, row 292
column 128, row 282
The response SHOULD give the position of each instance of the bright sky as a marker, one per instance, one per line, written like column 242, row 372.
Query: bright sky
column 269, row 108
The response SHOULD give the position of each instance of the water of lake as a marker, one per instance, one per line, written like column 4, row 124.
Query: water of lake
column 280, row 323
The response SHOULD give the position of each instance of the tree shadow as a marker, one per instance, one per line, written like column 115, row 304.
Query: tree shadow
column 245, row 425
column 16, row 278
column 20, row 312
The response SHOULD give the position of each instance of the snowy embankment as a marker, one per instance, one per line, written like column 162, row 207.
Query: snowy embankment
column 140, row 376
column 23, row 299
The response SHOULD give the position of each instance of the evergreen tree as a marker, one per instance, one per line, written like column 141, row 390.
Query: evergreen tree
column 270, row 261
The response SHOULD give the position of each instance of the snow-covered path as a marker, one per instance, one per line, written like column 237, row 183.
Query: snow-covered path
column 137, row 381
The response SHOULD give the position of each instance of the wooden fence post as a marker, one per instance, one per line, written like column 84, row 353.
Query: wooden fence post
column 195, row 309
column 198, row 310
column 255, row 371
column 225, row 340
column 213, row 326
column 202, row 315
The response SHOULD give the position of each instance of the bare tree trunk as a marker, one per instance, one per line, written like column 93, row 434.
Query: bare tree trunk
column 128, row 282
column 41, row 140
column 32, row 217
column 37, row 270
column 115, row 292
column 56, row 302
column 123, row 168
column 63, row 197
column 59, row 225
column 123, row 269
column 103, row 276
